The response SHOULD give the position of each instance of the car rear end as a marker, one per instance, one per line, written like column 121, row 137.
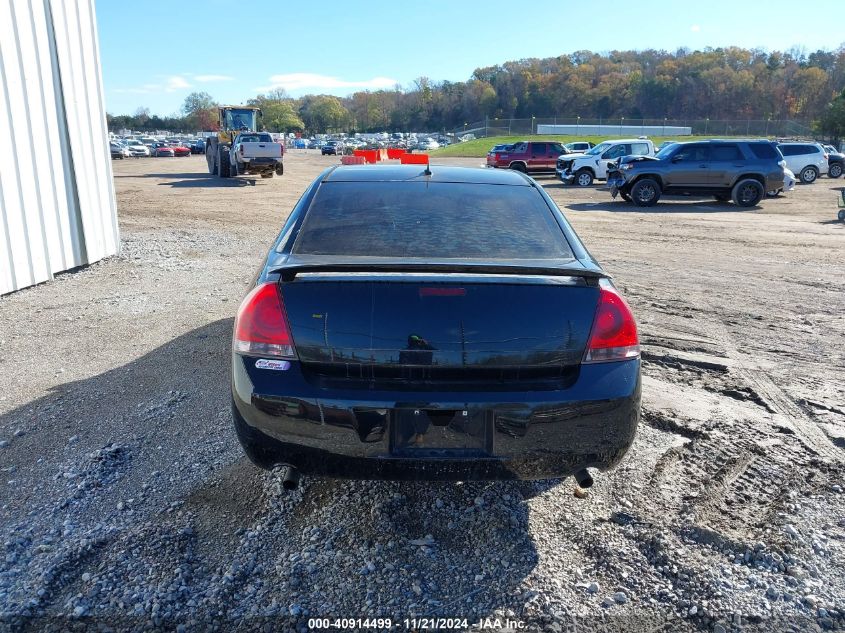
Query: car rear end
column 497, row 155
column 825, row 157
column 768, row 161
column 260, row 152
column 398, row 331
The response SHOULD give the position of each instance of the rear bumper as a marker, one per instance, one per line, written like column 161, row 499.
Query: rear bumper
column 260, row 160
column 282, row 418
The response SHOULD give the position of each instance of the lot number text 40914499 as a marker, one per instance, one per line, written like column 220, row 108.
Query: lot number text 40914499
column 416, row 624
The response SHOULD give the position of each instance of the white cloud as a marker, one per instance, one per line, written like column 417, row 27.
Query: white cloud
column 208, row 78
column 175, row 82
column 171, row 84
column 311, row 81
column 695, row 28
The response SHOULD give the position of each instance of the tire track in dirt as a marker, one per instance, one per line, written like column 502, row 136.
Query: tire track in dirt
column 790, row 414
column 731, row 476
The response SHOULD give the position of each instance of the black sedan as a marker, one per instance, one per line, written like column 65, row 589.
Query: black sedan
column 335, row 148
column 442, row 324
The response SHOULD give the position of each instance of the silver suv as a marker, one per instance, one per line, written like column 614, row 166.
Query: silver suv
column 807, row 160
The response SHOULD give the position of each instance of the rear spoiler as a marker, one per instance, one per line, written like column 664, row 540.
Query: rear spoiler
column 289, row 272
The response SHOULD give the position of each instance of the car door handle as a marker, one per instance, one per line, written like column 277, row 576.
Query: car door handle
column 739, row 164
column 702, row 166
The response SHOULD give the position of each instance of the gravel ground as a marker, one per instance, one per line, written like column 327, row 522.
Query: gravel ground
column 125, row 499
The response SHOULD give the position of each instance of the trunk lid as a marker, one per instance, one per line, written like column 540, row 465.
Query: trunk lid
column 440, row 321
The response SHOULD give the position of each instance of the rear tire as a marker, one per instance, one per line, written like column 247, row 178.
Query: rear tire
column 645, row 192
column 223, row 165
column 747, row 193
column 520, row 167
column 584, row 178
column 211, row 159
column 280, row 170
column 808, row 175
column 835, row 170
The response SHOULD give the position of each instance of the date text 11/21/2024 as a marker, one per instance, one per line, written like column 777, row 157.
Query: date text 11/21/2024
column 416, row 624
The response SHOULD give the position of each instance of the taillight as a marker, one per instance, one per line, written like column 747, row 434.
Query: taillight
column 614, row 333
column 261, row 327
column 242, row 149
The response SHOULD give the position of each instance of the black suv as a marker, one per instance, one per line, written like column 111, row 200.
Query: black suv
column 740, row 170
column 335, row 148
column 835, row 161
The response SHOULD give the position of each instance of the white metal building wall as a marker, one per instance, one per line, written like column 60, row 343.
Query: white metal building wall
column 57, row 205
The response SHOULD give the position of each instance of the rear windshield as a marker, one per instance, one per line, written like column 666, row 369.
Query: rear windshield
column 798, row 150
column 256, row 138
column 764, row 150
column 432, row 221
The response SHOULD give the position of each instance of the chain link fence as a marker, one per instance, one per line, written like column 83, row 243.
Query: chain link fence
column 638, row 127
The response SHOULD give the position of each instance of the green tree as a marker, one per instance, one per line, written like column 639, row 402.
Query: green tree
column 281, row 117
column 833, row 120
column 279, row 114
column 200, row 111
column 323, row 113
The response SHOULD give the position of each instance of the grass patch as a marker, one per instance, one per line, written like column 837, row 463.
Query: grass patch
column 480, row 146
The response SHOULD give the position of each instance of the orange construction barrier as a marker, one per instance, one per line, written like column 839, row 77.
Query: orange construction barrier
column 414, row 159
column 370, row 155
column 395, row 152
column 352, row 160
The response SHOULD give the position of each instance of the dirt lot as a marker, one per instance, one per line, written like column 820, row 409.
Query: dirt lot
column 124, row 497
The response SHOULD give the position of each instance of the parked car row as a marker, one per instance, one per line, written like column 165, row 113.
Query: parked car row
column 148, row 146
column 345, row 144
column 641, row 173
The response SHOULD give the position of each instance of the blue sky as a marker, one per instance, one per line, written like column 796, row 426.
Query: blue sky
column 155, row 52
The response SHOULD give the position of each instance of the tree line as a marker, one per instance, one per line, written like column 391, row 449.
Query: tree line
column 719, row 83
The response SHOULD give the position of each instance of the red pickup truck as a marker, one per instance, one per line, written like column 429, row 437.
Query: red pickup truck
column 526, row 156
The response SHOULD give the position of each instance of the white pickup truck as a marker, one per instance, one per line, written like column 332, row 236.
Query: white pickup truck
column 256, row 153
column 582, row 169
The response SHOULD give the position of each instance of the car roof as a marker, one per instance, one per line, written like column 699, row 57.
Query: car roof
column 729, row 140
column 439, row 173
column 624, row 140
